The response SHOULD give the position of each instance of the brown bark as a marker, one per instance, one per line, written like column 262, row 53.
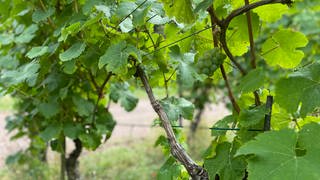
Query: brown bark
column 177, row 151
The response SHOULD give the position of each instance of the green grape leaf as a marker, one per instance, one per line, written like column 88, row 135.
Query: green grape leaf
column 49, row 109
column 169, row 170
column 120, row 92
column 6, row 38
column 116, row 57
column 40, row 15
column 252, row 81
column 8, row 62
column 104, row 123
column 126, row 25
column 37, row 51
column 251, row 117
column 133, row 51
column 203, row 5
column 51, row 132
column 281, row 48
column 180, row 9
column 280, row 118
column 27, row 35
column 70, row 67
column 104, row 9
column 302, row 86
column 139, row 16
column 125, row 8
column 308, row 120
column 225, row 164
column 90, row 140
column 237, row 34
column 289, row 92
column 284, row 154
column 70, row 30
column 72, row 130
column 223, row 123
column 88, row 5
column 310, row 99
column 73, row 52
column 83, row 106
column 187, row 73
column 177, row 106
column 265, row 15
column 27, row 72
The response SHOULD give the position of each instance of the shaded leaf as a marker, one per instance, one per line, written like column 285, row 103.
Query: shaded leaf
column 73, row 52
column 37, row 51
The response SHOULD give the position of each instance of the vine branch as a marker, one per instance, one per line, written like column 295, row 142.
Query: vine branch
column 252, row 50
column 223, row 72
column 195, row 171
column 248, row 7
column 100, row 93
column 215, row 21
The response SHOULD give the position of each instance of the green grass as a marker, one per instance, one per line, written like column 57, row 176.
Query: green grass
column 130, row 159
column 126, row 162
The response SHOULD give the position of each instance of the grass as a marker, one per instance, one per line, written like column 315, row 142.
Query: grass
column 126, row 162
column 129, row 159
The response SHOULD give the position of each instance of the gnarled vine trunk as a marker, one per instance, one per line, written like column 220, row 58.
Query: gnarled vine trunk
column 72, row 163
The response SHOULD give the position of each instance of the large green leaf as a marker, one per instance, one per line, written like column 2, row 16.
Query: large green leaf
column 169, row 170
column 40, row 15
column 52, row 131
column 49, row 109
column 284, row 154
column 104, row 9
column 70, row 30
column 265, row 15
column 27, row 35
column 73, row 52
column 281, row 48
column 237, row 35
column 120, row 92
column 83, row 106
column 90, row 140
column 303, row 87
column 251, row 117
column 72, row 130
column 25, row 73
column 187, row 73
column 180, row 9
column 225, row 164
column 37, row 51
column 177, row 106
column 222, row 123
column 116, row 57
column 252, row 81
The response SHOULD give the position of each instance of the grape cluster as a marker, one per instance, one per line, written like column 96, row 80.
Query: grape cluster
column 210, row 61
